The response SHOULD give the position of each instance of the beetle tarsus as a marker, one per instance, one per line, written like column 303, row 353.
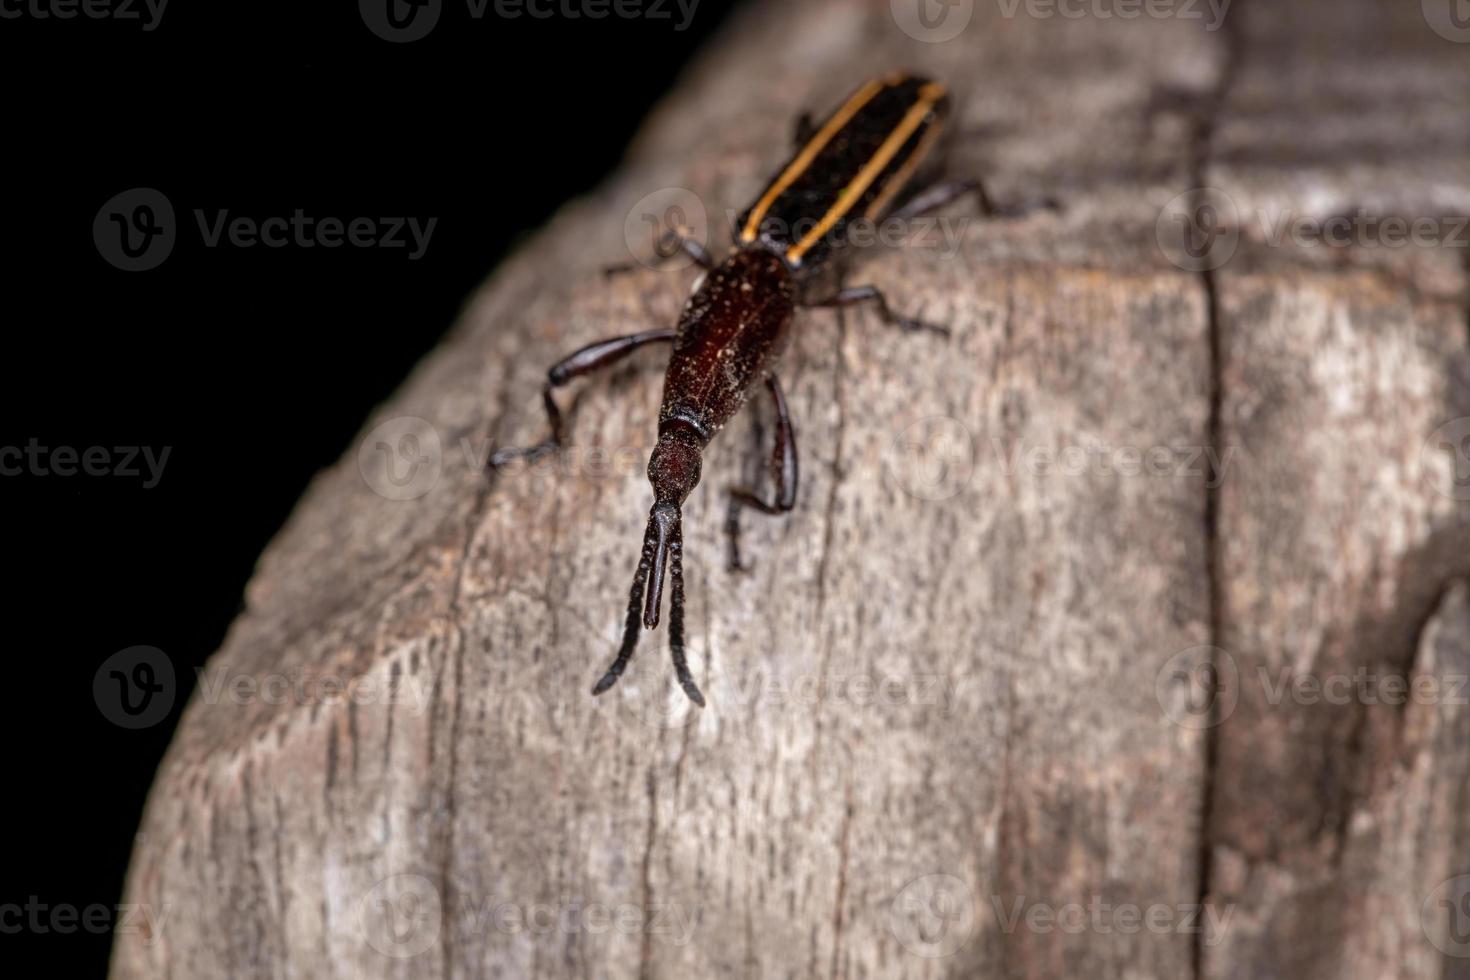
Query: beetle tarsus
column 732, row 532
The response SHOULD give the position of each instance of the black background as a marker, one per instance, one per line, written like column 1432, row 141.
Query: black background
column 254, row 367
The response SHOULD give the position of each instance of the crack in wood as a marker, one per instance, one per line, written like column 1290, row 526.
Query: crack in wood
column 1201, row 147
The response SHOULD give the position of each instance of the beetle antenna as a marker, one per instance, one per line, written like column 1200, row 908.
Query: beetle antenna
column 663, row 547
column 676, row 617
column 635, row 613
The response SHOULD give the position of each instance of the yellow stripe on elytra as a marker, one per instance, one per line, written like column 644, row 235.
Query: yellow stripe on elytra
column 853, row 192
column 808, row 153
column 902, row 174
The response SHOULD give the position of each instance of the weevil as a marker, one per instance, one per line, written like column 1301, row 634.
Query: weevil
column 789, row 250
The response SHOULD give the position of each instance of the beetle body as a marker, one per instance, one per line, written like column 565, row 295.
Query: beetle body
column 735, row 325
column 854, row 166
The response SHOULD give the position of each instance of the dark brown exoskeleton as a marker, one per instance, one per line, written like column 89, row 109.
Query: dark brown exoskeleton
column 856, row 165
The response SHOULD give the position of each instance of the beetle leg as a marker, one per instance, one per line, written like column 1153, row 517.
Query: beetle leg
column 670, row 244
column 784, row 476
column 591, row 358
column 853, row 295
column 936, row 196
column 750, row 473
column 804, row 131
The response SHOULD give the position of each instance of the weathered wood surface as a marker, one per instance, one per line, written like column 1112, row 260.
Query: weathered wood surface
column 953, row 725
